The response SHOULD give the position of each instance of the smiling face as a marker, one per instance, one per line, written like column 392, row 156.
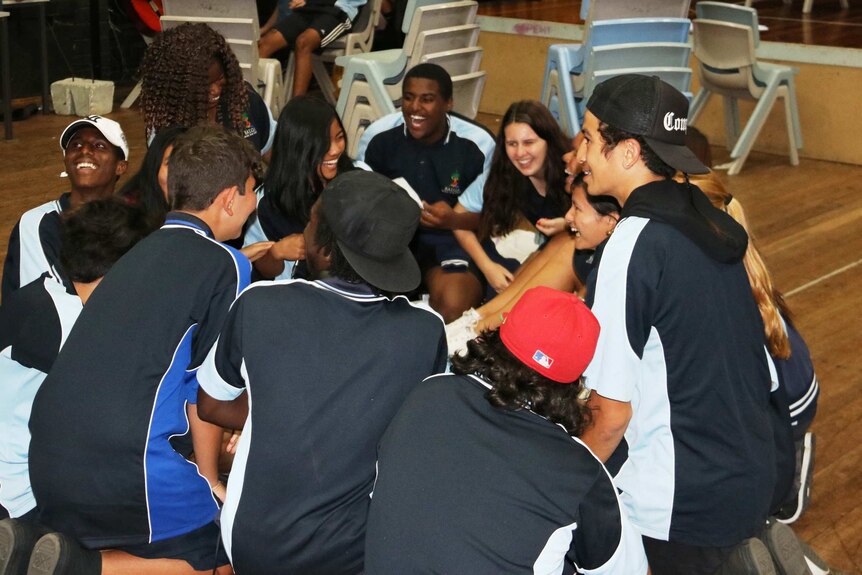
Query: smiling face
column 92, row 162
column 328, row 168
column 425, row 110
column 601, row 170
column 215, row 77
column 526, row 150
column 589, row 226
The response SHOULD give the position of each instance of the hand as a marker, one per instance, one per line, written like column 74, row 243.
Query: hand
column 498, row 277
column 294, row 4
column 219, row 491
column 551, row 226
column 230, row 446
column 290, row 247
column 437, row 215
column 255, row 250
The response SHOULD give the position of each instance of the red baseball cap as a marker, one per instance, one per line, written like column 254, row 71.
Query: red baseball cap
column 551, row 332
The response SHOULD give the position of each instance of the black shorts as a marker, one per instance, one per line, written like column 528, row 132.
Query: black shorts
column 433, row 249
column 197, row 548
column 329, row 22
column 669, row 558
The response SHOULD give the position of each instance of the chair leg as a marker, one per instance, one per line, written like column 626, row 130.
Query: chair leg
column 324, row 80
column 791, row 132
column 797, row 127
column 698, row 103
column 752, row 129
column 731, row 121
column 806, row 7
column 132, row 97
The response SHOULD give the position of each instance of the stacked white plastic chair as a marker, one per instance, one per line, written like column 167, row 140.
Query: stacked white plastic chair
column 728, row 66
column 649, row 37
column 440, row 32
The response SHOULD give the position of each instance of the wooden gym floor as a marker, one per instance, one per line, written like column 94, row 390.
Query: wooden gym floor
column 827, row 24
column 807, row 221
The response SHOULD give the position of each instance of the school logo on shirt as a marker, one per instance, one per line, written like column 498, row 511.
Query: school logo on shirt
column 247, row 130
column 545, row 361
column 454, row 187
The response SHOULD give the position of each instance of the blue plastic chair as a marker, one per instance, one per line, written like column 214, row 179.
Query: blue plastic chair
column 563, row 60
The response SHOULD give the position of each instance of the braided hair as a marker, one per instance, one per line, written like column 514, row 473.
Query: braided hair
column 175, row 83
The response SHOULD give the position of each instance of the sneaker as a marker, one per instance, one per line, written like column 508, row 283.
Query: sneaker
column 816, row 563
column 17, row 539
column 792, row 509
column 457, row 337
column 785, row 548
column 58, row 554
column 751, row 557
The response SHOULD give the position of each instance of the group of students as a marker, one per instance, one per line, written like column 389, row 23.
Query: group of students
column 650, row 431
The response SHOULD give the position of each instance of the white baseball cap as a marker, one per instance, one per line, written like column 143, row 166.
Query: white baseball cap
column 109, row 128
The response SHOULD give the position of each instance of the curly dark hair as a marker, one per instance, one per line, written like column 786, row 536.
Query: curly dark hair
column 506, row 190
column 516, row 386
column 613, row 136
column 293, row 182
column 175, row 83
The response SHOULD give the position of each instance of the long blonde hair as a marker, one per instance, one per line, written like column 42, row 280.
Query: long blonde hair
column 769, row 300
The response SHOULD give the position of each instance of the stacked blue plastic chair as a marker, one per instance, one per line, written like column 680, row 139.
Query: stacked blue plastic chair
column 570, row 71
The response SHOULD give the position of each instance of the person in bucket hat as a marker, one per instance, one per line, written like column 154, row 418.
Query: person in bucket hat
column 317, row 369
column 489, row 452
column 95, row 155
column 680, row 383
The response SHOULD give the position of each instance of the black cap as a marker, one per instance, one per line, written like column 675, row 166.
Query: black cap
column 374, row 220
column 646, row 106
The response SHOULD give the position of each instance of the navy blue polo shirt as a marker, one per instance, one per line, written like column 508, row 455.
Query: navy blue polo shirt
column 101, row 463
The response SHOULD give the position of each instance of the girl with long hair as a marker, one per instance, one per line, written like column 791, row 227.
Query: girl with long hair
column 309, row 151
column 190, row 76
column 524, row 195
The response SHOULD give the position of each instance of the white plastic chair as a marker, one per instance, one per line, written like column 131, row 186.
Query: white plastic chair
column 357, row 41
column 678, row 77
column 613, row 9
column 734, row 13
column 457, row 62
column 728, row 67
column 639, row 55
column 442, row 24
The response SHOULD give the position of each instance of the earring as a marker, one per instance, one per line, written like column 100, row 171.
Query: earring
column 610, row 231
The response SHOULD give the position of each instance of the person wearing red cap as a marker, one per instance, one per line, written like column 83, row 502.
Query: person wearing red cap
column 680, row 381
column 95, row 155
column 481, row 471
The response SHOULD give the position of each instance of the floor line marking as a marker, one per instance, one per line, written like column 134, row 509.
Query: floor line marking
column 814, row 282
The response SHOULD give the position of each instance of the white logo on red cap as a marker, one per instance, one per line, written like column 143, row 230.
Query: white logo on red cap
column 672, row 124
column 543, row 359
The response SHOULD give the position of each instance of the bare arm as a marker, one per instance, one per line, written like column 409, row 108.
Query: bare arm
column 271, row 264
column 498, row 276
column 440, row 215
column 206, row 442
column 230, row 414
column 610, row 420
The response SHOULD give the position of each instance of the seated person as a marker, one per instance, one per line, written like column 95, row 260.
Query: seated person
column 308, row 26
column 444, row 158
column 190, row 76
column 35, row 321
column 95, row 155
column 524, row 196
column 103, row 470
column 300, row 487
column 309, row 151
column 481, row 471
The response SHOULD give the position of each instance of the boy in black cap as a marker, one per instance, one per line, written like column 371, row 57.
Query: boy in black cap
column 95, row 155
column 324, row 364
column 680, row 377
